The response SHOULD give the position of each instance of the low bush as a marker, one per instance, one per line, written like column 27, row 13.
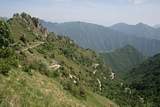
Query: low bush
column 54, row 73
column 4, row 67
column 8, row 60
column 76, row 90
column 40, row 66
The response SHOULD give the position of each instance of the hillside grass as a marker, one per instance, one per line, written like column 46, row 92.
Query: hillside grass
column 21, row 89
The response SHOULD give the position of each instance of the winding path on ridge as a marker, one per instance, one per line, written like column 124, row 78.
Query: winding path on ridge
column 32, row 46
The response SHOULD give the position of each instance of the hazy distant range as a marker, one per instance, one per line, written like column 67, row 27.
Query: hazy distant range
column 101, row 39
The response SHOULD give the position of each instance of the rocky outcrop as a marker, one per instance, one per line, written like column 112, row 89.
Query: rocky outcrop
column 33, row 22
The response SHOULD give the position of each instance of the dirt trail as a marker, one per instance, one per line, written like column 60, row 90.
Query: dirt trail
column 33, row 46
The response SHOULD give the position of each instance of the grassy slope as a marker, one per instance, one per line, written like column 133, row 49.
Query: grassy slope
column 20, row 89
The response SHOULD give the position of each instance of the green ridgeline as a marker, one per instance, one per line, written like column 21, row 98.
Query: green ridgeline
column 38, row 68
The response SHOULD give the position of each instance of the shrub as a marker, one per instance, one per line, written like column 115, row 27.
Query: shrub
column 27, row 69
column 43, row 67
column 7, row 60
column 76, row 90
column 82, row 92
column 7, row 52
column 7, row 55
column 68, row 52
column 54, row 74
column 5, row 38
column 67, row 85
column 30, row 50
column 23, row 39
column 4, row 67
column 36, row 22
column 40, row 66
column 52, row 55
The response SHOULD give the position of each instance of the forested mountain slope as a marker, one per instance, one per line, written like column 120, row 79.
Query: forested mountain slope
column 145, row 79
column 123, row 59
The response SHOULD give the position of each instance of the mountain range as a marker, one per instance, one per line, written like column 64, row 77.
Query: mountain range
column 104, row 39
column 42, row 68
column 123, row 59
column 157, row 26
column 139, row 30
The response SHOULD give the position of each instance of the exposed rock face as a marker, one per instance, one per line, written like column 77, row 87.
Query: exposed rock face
column 112, row 75
column 127, row 90
column 95, row 65
column 32, row 21
column 38, row 25
column 55, row 65
column 100, row 85
column 44, row 31
column 74, row 78
column 94, row 72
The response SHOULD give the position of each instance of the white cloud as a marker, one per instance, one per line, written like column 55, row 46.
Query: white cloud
column 137, row 2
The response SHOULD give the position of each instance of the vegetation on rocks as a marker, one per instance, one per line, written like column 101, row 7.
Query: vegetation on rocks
column 40, row 70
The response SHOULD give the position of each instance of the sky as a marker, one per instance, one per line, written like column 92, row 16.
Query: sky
column 103, row 12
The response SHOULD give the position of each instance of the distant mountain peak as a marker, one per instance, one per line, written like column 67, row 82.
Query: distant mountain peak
column 140, row 24
column 139, row 30
column 127, row 25
column 120, row 24
column 157, row 26
column 128, row 46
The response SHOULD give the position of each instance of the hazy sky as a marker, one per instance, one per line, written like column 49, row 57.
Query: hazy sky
column 105, row 12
